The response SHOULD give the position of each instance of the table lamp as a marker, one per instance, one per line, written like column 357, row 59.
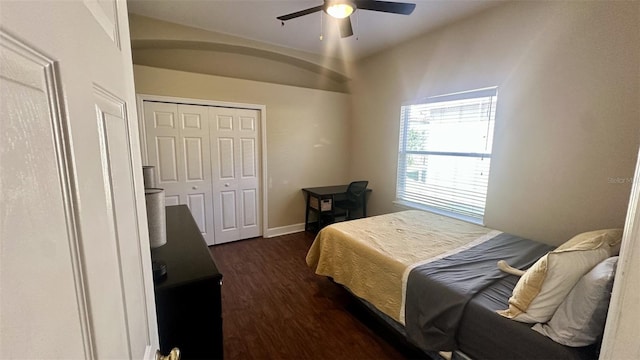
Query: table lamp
column 156, row 220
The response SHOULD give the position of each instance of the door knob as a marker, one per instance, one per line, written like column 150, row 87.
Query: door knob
column 195, row 188
column 226, row 185
column 173, row 355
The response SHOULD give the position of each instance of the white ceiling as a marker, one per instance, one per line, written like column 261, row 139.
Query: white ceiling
column 256, row 20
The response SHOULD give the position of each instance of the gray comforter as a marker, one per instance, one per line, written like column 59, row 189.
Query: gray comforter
column 438, row 292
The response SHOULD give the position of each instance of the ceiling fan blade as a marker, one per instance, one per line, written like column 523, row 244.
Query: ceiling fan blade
column 300, row 13
column 386, row 6
column 345, row 27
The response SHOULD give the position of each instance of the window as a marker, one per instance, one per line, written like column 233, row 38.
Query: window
column 445, row 153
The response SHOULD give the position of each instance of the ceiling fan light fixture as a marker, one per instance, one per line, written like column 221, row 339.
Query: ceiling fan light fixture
column 340, row 9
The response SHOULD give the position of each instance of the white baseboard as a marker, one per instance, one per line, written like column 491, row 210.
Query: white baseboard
column 284, row 230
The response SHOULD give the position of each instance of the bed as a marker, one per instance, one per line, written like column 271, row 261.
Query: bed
column 434, row 279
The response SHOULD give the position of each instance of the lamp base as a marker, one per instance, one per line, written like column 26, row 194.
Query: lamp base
column 159, row 270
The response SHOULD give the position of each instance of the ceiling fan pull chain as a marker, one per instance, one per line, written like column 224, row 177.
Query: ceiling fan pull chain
column 357, row 26
column 321, row 30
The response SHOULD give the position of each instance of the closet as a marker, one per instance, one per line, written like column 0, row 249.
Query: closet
column 208, row 158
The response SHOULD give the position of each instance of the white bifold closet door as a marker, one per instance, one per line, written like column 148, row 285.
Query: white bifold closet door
column 208, row 158
column 236, row 173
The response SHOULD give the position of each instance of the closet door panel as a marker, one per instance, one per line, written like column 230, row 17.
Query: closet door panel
column 178, row 145
column 249, row 172
column 167, row 167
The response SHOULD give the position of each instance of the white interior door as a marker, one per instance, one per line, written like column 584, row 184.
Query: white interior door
column 236, row 162
column 178, row 146
column 75, row 263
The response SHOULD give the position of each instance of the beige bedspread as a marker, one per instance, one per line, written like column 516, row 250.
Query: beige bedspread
column 372, row 257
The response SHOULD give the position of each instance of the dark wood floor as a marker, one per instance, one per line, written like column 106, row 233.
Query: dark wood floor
column 275, row 307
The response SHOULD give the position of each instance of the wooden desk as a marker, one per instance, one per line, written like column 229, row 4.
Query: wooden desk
column 188, row 301
column 320, row 201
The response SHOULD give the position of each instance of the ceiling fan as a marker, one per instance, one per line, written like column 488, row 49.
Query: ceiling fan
column 342, row 9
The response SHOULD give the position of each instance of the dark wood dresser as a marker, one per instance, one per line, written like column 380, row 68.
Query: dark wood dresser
column 188, row 300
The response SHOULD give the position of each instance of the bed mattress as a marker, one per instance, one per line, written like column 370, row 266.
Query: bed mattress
column 483, row 334
column 373, row 256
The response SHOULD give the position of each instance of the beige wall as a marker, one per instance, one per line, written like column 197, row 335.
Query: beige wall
column 307, row 136
column 162, row 44
column 568, row 116
column 238, row 66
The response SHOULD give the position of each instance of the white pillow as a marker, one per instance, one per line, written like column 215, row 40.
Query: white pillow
column 544, row 286
column 579, row 321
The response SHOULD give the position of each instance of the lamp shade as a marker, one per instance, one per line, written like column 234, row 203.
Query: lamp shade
column 156, row 217
column 149, row 176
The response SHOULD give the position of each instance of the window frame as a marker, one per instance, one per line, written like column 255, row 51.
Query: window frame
column 403, row 152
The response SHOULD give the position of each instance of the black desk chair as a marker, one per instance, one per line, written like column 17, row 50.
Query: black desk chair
column 355, row 198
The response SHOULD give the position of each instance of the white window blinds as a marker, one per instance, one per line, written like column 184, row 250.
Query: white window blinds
column 445, row 153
